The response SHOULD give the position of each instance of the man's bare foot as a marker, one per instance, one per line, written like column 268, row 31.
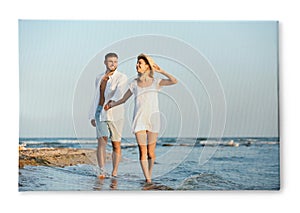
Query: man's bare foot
column 101, row 176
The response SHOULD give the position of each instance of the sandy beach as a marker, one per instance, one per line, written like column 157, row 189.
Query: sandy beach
column 59, row 157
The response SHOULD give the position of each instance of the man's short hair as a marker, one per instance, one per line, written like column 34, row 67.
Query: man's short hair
column 109, row 55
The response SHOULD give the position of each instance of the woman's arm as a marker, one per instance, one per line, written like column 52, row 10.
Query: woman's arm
column 111, row 104
column 165, row 82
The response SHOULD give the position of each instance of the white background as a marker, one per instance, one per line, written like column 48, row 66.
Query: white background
column 284, row 200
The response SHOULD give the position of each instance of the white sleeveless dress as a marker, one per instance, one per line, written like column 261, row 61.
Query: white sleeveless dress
column 146, row 114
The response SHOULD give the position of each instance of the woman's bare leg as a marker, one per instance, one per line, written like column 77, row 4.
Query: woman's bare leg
column 152, row 138
column 141, row 138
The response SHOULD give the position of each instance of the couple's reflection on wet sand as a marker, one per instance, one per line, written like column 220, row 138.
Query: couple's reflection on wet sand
column 112, row 184
column 100, row 184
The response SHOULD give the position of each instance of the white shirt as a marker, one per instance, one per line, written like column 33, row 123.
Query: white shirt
column 115, row 89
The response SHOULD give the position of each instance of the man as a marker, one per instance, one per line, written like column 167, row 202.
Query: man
column 110, row 85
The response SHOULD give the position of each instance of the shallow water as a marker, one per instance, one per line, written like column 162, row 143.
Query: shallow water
column 179, row 166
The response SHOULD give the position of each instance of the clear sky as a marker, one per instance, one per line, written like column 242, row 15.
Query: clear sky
column 227, row 72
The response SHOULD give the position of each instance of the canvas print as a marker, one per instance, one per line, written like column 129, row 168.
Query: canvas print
column 148, row 105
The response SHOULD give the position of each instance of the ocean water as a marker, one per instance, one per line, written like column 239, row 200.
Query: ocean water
column 191, row 164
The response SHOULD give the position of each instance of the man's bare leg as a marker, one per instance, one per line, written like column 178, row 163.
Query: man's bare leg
column 116, row 156
column 101, row 152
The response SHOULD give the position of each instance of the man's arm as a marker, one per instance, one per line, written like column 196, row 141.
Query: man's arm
column 92, row 111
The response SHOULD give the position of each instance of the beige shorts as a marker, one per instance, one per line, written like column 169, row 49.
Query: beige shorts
column 112, row 129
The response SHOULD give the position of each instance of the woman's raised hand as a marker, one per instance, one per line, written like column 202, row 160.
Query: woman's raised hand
column 157, row 68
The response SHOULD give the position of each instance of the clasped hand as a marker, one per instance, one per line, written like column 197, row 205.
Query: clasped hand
column 109, row 105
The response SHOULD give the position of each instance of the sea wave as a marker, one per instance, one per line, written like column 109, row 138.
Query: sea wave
column 208, row 182
column 131, row 142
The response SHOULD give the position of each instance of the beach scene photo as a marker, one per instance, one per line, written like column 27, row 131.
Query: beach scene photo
column 148, row 106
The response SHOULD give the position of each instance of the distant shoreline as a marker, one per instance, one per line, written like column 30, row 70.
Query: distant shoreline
column 196, row 138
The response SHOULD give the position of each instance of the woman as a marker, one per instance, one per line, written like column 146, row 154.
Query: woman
column 146, row 118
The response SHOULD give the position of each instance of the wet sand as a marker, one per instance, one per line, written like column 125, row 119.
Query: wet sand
column 59, row 157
